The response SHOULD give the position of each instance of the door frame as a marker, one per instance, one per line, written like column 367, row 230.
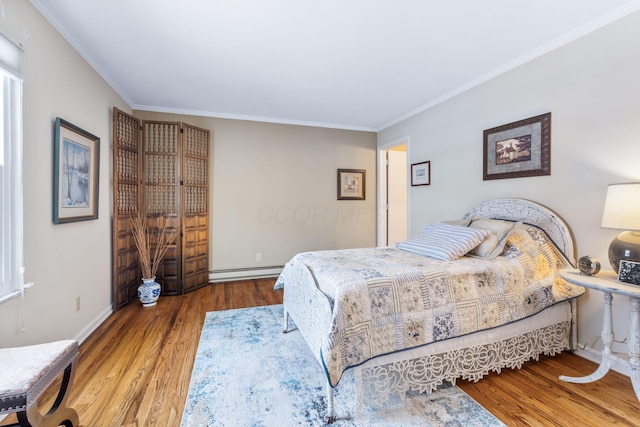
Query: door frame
column 381, row 211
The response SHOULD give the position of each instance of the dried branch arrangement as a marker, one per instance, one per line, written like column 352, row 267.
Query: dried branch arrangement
column 150, row 255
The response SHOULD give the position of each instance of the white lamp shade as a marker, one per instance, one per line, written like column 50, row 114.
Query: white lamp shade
column 622, row 207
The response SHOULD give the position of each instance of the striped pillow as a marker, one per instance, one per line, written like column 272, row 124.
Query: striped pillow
column 444, row 242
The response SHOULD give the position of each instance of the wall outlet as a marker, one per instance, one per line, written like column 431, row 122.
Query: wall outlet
column 77, row 303
column 258, row 257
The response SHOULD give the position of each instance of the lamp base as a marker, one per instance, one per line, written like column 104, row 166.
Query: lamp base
column 626, row 246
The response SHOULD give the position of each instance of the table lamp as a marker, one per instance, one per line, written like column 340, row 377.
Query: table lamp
column 622, row 212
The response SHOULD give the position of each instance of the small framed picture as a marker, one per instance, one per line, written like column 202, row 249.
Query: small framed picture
column 76, row 171
column 629, row 272
column 421, row 173
column 351, row 184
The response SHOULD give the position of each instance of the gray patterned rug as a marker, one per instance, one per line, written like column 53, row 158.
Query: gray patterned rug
column 248, row 373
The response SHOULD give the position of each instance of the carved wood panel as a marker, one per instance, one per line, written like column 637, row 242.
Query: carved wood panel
column 126, row 199
column 162, row 194
column 195, row 211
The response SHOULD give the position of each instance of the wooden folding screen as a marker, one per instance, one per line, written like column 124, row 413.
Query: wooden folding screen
column 163, row 169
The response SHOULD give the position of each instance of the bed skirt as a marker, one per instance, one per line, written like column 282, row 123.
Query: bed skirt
column 469, row 357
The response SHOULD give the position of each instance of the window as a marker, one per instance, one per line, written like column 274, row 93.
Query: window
column 11, row 270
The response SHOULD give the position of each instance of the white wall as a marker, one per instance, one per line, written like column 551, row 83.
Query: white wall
column 68, row 260
column 274, row 190
column 591, row 88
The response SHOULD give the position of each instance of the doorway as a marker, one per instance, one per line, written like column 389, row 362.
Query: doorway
column 393, row 207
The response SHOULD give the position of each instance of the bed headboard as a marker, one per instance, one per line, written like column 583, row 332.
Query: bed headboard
column 531, row 213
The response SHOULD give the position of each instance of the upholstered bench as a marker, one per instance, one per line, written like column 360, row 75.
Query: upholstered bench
column 25, row 374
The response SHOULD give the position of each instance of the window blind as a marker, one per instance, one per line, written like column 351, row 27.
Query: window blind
column 11, row 215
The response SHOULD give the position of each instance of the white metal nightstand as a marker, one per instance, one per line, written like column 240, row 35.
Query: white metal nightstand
column 607, row 282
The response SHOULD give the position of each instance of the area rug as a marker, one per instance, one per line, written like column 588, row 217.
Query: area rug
column 248, row 373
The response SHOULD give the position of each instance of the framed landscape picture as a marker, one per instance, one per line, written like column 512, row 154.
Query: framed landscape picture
column 76, row 172
column 518, row 149
column 421, row 173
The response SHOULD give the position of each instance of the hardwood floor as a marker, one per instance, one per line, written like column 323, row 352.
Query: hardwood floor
column 134, row 370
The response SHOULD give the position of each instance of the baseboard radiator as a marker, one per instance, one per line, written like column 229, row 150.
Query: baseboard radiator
column 225, row 275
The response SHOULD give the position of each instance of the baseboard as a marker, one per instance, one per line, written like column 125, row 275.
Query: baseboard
column 214, row 276
column 88, row 330
column 621, row 366
column 224, row 275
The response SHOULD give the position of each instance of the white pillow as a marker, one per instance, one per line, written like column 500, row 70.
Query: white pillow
column 498, row 231
column 463, row 221
column 444, row 242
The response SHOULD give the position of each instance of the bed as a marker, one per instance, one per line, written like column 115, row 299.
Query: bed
column 434, row 310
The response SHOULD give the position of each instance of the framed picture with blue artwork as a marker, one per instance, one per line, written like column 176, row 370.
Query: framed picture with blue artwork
column 76, row 169
column 421, row 173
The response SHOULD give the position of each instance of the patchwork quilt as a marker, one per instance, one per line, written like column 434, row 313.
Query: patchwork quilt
column 385, row 300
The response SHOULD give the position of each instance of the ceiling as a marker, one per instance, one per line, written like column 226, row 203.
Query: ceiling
column 350, row 64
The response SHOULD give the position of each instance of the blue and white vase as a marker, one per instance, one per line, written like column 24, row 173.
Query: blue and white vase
column 149, row 292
